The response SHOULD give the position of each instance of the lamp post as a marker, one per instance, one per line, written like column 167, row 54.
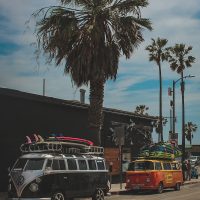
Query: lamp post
column 183, row 111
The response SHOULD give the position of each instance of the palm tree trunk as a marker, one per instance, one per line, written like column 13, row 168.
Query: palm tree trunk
column 160, row 106
column 95, row 110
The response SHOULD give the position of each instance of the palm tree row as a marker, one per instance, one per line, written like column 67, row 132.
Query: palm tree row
column 178, row 58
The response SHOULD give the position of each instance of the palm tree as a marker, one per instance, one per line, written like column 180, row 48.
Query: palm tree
column 179, row 60
column 141, row 109
column 89, row 36
column 189, row 129
column 158, row 54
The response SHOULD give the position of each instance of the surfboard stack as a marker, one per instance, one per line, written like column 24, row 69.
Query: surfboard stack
column 162, row 150
column 59, row 144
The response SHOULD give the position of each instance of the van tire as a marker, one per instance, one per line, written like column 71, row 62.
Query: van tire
column 58, row 196
column 177, row 186
column 160, row 188
column 99, row 195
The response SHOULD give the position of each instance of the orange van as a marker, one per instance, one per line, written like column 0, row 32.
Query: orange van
column 155, row 175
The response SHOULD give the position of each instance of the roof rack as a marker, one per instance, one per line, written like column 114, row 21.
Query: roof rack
column 61, row 147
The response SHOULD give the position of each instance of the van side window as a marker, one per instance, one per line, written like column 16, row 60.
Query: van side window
column 167, row 166
column 58, row 164
column 49, row 163
column 100, row 165
column 158, row 166
column 55, row 165
column 175, row 166
column 72, row 164
column 82, row 164
column 92, row 164
column 62, row 164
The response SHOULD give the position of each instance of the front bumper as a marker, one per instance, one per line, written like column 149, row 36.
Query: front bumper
column 140, row 187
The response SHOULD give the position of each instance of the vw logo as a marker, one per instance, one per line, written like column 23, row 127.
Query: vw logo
column 20, row 180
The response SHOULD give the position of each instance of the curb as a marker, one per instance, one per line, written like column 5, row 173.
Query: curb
column 191, row 182
column 118, row 192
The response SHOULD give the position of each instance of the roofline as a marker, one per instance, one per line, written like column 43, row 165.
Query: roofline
column 77, row 104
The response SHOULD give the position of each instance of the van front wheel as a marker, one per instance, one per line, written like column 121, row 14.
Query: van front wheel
column 99, row 195
column 58, row 196
column 160, row 188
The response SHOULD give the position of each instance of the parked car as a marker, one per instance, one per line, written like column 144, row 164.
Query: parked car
column 194, row 160
column 194, row 171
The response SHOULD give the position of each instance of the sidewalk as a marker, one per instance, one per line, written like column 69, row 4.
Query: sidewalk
column 120, row 188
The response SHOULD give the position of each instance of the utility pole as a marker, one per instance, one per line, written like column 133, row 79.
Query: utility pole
column 43, row 86
column 174, row 117
column 183, row 118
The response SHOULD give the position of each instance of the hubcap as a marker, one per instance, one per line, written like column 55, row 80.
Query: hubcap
column 100, row 195
column 58, row 196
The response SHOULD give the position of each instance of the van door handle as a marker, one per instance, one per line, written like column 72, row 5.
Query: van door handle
column 65, row 177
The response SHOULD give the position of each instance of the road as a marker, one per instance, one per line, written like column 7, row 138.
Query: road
column 187, row 192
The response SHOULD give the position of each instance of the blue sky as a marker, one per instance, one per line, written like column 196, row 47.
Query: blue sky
column 137, row 81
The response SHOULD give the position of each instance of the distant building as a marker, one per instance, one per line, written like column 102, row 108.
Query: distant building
column 24, row 114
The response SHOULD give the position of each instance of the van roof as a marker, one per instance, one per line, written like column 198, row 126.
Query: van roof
column 49, row 155
column 154, row 160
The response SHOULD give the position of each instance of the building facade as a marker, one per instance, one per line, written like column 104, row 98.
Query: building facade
column 25, row 114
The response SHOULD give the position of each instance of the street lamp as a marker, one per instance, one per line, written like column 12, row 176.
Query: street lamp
column 183, row 111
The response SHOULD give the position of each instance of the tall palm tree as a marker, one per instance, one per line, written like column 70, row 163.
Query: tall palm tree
column 158, row 54
column 189, row 129
column 179, row 60
column 89, row 36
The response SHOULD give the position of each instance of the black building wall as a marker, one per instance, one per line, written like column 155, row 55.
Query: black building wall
column 25, row 114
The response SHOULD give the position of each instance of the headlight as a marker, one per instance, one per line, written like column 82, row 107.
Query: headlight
column 38, row 180
column 33, row 187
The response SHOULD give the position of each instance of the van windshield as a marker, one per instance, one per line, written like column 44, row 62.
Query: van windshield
column 29, row 164
column 19, row 165
column 140, row 166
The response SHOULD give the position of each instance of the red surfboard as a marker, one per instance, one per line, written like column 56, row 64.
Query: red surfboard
column 79, row 140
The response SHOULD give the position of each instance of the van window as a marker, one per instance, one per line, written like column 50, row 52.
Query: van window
column 100, row 165
column 55, row 165
column 71, row 164
column 49, row 163
column 175, row 166
column 158, row 166
column 167, row 166
column 34, row 164
column 62, row 164
column 140, row 166
column 92, row 164
column 20, row 164
column 82, row 164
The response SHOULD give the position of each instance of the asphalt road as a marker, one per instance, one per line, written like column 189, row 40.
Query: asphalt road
column 187, row 192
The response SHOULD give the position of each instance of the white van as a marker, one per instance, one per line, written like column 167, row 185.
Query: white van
column 45, row 172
